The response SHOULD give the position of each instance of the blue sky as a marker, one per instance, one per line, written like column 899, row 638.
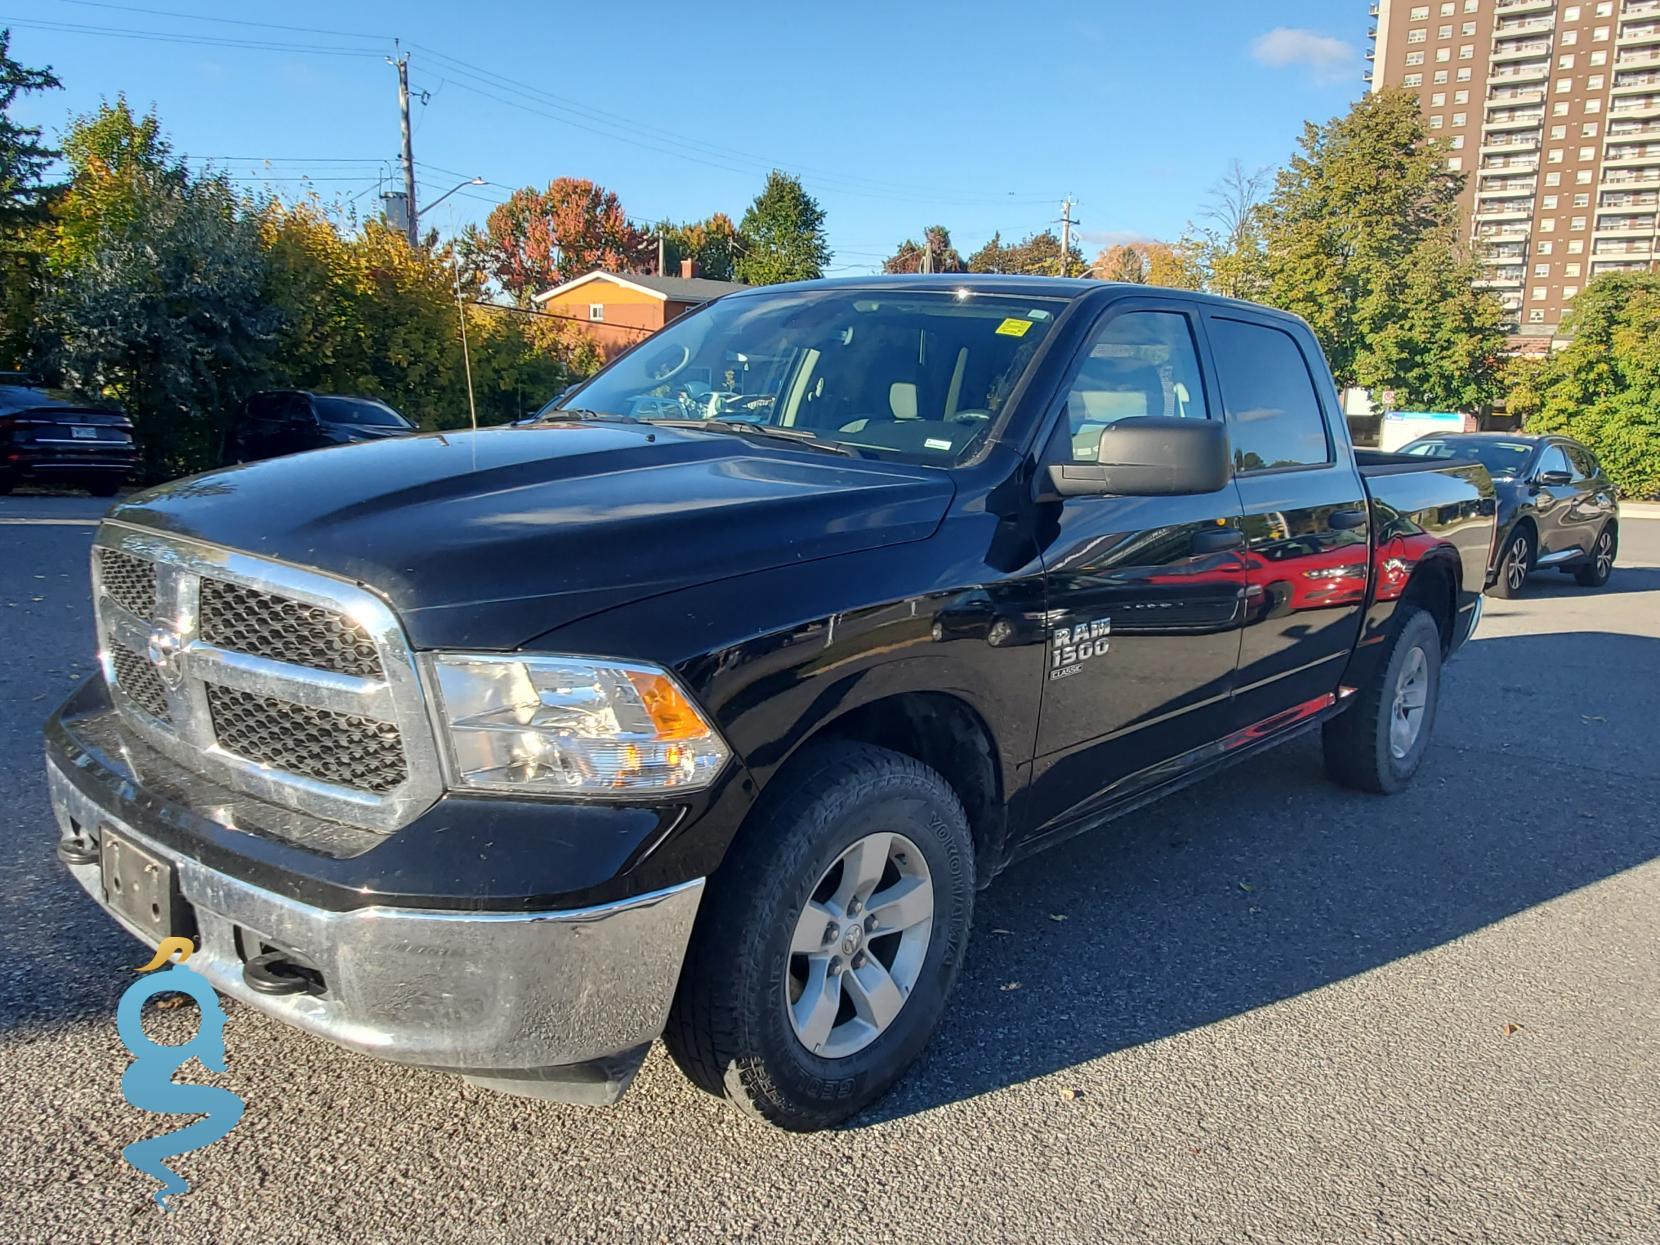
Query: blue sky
column 976, row 115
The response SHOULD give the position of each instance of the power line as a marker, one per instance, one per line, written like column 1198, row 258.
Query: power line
column 226, row 21
column 683, row 147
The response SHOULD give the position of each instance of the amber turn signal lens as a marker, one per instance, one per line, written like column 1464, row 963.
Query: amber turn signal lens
column 670, row 712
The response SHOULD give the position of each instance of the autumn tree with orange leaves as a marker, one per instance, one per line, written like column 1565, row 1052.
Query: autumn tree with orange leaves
column 541, row 238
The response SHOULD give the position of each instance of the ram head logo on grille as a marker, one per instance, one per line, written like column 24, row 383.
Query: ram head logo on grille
column 166, row 652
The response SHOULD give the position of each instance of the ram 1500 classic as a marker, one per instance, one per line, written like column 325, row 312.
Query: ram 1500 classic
column 702, row 706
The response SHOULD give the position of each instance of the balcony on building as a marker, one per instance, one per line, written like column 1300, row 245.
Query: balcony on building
column 1529, row 71
column 1507, row 51
column 1634, row 106
column 1509, row 279
column 1643, row 249
column 1631, row 156
column 1640, row 34
column 1628, row 201
column 1515, row 8
column 1515, row 96
column 1514, row 119
column 1626, row 226
column 1518, row 210
column 1525, row 140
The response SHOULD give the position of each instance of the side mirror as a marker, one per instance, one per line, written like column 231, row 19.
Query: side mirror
column 1554, row 479
column 1151, row 456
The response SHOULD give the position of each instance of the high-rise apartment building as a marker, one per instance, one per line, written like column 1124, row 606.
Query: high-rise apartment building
column 1553, row 109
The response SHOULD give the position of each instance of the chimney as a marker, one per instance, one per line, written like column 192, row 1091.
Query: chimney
column 688, row 269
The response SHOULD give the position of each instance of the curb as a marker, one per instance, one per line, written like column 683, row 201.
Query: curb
column 1639, row 510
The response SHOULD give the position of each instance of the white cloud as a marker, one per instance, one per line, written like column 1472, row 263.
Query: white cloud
column 1329, row 60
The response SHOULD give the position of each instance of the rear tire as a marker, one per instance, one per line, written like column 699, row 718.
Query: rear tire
column 1595, row 573
column 1516, row 565
column 1378, row 742
column 743, row 1016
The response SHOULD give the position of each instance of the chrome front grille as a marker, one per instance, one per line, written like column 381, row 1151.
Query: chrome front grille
column 139, row 680
column 247, row 620
column 130, row 581
column 338, row 748
column 287, row 684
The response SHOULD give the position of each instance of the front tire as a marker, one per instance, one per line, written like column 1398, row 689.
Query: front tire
column 829, row 941
column 1595, row 573
column 1378, row 742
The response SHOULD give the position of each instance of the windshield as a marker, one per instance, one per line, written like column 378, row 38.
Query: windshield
column 912, row 375
column 1503, row 459
column 364, row 412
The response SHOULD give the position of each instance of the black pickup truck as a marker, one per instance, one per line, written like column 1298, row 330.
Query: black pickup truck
column 702, row 707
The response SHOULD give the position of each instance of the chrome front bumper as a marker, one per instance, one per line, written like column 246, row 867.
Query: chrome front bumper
column 506, row 999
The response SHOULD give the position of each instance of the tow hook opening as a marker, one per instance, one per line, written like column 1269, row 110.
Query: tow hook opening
column 276, row 970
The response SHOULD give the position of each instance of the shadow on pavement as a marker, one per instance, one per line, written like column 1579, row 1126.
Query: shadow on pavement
column 1267, row 882
column 1554, row 584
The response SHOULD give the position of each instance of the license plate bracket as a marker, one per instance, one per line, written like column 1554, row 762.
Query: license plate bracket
column 140, row 886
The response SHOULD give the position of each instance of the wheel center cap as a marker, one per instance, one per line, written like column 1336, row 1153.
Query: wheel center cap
column 853, row 939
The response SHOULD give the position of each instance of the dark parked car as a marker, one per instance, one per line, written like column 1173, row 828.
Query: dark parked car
column 506, row 752
column 1556, row 506
column 46, row 440
column 286, row 421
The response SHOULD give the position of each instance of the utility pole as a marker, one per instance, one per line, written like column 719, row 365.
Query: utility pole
column 402, row 66
column 1066, row 235
column 662, row 254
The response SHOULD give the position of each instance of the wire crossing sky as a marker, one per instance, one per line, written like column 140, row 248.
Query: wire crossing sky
column 896, row 116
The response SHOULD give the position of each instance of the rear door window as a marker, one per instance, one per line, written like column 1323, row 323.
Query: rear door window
column 1553, row 459
column 1273, row 408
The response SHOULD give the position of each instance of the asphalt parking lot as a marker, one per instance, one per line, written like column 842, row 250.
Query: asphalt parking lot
column 1290, row 1012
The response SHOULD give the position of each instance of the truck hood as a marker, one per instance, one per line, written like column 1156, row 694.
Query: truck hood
column 488, row 539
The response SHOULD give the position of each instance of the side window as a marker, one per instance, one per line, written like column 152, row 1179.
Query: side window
column 1579, row 458
column 1138, row 363
column 1272, row 404
column 1553, row 459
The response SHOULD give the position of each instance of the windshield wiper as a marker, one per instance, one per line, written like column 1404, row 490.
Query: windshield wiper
column 800, row 436
column 578, row 412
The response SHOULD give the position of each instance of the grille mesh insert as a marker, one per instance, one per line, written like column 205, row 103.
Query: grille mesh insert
column 339, row 748
column 130, row 582
column 264, row 625
column 136, row 677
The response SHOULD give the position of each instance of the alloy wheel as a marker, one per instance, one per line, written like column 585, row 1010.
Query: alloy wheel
column 1516, row 571
column 1605, row 554
column 1411, row 695
column 859, row 945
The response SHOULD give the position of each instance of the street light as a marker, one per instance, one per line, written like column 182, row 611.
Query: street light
column 471, row 181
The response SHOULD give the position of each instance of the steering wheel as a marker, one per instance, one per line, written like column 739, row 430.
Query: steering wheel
column 669, row 362
column 970, row 417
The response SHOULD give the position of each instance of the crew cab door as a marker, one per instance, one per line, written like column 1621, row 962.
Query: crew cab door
column 1306, row 517
column 1143, row 594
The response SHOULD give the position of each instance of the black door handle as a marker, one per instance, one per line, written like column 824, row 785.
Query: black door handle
column 1346, row 520
column 1217, row 539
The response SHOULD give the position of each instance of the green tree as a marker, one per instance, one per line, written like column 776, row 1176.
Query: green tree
column 1361, row 238
column 1177, row 265
column 712, row 244
column 934, row 254
column 1038, row 255
column 784, row 237
column 24, row 158
column 24, row 196
column 542, row 238
column 1604, row 388
column 155, row 296
column 1124, row 262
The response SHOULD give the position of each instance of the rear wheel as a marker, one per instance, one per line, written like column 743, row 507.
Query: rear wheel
column 1516, row 564
column 1595, row 572
column 1378, row 742
column 829, row 941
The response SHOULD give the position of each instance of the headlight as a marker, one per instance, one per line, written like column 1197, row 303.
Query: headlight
column 570, row 726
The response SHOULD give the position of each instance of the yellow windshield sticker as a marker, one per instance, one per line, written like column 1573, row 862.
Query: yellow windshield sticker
column 1014, row 328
